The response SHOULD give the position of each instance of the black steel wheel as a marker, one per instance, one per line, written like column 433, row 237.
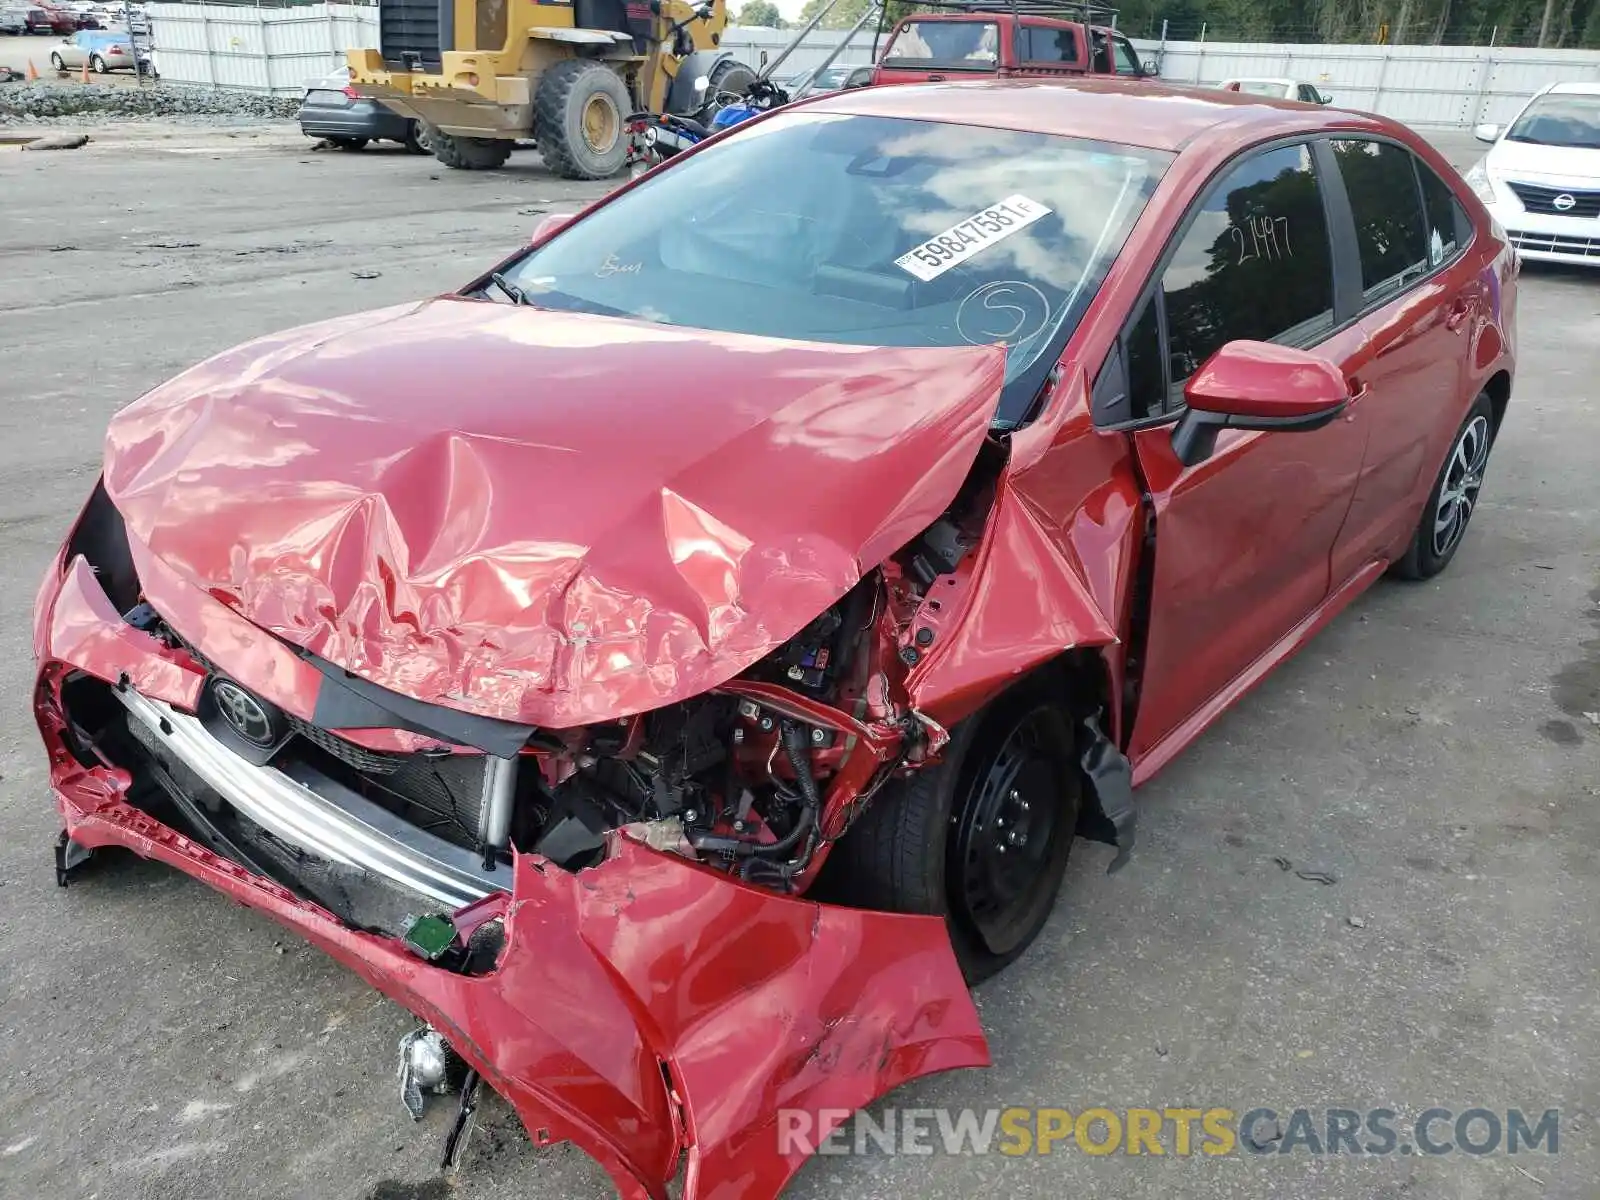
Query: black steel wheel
column 1010, row 834
column 981, row 838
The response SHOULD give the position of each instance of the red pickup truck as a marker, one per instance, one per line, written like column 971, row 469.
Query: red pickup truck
column 1024, row 38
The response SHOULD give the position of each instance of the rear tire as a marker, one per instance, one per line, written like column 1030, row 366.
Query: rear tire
column 981, row 838
column 470, row 153
column 1454, row 497
column 97, row 64
column 581, row 108
column 419, row 138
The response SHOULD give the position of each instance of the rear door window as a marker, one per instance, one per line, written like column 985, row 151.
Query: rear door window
column 970, row 45
column 1447, row 225
column 1045, row 45
column 1387, row 206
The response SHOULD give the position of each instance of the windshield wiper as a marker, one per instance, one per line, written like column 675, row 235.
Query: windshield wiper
column 516, row 294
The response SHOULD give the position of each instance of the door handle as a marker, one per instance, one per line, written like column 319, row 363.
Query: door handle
column 1359, row 391
column 1459, row 312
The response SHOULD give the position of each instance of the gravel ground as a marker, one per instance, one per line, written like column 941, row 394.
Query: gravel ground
column 1429, row 749
column 55, row 103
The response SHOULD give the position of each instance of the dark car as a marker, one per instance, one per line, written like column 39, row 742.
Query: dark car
column 332, row 110
column 677, row 663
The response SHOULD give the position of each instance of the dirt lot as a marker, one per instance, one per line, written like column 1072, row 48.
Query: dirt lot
column 1430, row 750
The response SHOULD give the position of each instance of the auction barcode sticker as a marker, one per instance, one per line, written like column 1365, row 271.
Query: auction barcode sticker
column 965, row 238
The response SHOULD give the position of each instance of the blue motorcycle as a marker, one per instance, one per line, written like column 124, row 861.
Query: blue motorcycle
column 655, row 137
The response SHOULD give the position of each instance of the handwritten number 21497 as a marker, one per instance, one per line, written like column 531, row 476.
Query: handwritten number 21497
column 1262, row 237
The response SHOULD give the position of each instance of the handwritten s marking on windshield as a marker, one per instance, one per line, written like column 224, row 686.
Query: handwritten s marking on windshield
column 965, row 238
column 1007, row 311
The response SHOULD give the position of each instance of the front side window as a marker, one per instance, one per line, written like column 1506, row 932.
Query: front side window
column 1254, row 263
column 971, row 45
column 1040, row 44
column 1559, row 119
column 865, row 231
column 1127, row 60
column 1387, row 207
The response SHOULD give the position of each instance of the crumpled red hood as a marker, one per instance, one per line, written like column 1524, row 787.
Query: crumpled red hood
column 544, row 517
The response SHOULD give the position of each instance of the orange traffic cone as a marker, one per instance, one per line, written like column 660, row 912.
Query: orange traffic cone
column 85, row 72
column 33, row 71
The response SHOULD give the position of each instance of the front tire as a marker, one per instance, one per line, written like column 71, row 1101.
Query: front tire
column 470, row 153
column 55, row 61
column 1454, row 497
column 980, row 838
column 581, row 119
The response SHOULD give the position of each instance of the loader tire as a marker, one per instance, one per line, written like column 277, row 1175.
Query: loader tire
column 469, row 153
column 728, row 78
column 580, row 110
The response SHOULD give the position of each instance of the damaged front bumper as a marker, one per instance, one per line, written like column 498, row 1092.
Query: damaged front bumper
column 656, row 1013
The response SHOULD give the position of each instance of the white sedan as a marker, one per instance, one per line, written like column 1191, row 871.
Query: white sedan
column 1541, row 177
column 1278, row 89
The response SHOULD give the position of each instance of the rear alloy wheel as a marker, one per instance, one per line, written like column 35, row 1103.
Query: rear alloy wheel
column 581, row 105
column 981, row 838
column 470, row 153
column 1454, row 497
column 97, row 64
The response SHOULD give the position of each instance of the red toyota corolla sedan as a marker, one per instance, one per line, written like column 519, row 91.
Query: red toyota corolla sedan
column 674, row 665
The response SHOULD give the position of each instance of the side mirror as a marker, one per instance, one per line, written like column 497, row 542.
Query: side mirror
column 1256, row 385
column 1150, row 70
column 1486, row 132
column 547, row 227
column 1324, row 98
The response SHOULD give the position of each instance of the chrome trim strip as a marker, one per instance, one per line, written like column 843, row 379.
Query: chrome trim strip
column 305, row 808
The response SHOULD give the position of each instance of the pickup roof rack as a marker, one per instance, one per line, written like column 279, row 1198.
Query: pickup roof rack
column 1066, row 10
column 1086, row 11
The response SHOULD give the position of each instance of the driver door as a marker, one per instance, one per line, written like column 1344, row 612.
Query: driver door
column 1243, row 539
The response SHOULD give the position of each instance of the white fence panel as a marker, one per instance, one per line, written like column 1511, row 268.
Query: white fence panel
column 1443, row 86
column 279, row 50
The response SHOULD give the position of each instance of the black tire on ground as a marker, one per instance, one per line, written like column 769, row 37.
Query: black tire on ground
column 55, row 61
column 1453, row 499
column 97, row 64
column 727, row 76
column 938, row 841
column 349, row 143
column 470, row 153
column 579, row 111
column 419, row 138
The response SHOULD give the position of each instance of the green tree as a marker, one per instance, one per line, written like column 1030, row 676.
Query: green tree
column 760, row 12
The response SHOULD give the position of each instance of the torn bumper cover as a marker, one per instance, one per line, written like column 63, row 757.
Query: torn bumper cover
column 656, row 1013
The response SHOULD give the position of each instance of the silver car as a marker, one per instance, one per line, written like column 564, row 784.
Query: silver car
column 332, row 110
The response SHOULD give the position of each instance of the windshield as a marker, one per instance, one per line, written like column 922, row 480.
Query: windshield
column 865, row 231
column 1560, row 120
column 974, row 44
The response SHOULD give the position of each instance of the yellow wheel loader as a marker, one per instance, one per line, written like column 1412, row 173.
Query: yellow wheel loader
column 481, row 74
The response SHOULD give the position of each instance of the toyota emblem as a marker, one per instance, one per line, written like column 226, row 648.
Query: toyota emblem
column 247, row 715
column 1563, row 202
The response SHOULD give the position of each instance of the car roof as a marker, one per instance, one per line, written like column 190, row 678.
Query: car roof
column 1133, row 112
column 1575, row 88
